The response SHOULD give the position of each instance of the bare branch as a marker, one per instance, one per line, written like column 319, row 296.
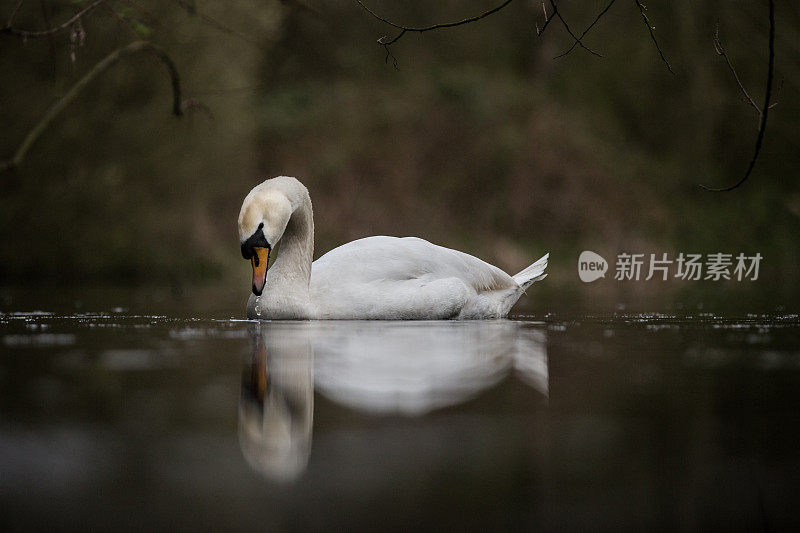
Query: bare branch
column 597, row 18
column 28, row 34
column 99, row 68
column 651, row 29
column 577, row 39
column 764, row 109
column 14, row 13
column 387, row 41
column 721, row 51
column 404, row 29
column 389, row 55
column 777, row 95
column 547, row 20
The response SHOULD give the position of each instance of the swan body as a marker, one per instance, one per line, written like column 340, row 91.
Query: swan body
column 376, row 278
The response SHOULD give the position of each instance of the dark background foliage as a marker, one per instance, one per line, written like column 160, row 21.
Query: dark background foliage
column 479, row 140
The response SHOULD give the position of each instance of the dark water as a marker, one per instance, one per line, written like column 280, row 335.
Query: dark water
column 114, row 420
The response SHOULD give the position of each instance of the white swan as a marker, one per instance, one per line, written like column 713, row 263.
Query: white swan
column 376, row 278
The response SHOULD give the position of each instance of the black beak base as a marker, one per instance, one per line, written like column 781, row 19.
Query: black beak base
column 256, row 240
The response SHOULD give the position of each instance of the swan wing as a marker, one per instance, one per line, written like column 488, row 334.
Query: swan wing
column 391, row 277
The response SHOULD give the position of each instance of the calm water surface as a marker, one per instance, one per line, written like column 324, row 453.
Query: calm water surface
column 116, row 420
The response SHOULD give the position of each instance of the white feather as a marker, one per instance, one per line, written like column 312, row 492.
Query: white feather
column 376, row 277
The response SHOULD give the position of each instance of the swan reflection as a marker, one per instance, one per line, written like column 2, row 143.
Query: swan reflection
column 406, row 368
column 277, row 403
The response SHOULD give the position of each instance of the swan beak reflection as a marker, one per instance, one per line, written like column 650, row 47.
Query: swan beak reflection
column 260, row 261
column 276, row 405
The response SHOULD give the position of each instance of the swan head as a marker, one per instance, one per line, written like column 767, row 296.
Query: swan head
column 262, row 220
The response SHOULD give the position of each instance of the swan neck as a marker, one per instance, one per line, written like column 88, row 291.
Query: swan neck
column 295, row 251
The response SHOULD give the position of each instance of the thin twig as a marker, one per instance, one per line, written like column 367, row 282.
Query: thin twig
column 386, row 41
column 721, row 51
column 597, row 18
column 540, row 31
column 777, row 95
column 577, row 39
column 389, row 54
column 765, row 108
column 651, row 28
column 422, row 29
column 30, row 34
column 14, row 13
column 103, row 65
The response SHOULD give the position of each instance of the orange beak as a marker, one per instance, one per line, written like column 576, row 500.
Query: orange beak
column 260, row 261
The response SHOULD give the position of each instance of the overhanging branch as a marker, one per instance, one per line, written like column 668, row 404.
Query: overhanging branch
column 75, row 90
column 9, row 29
column 651, row 29
column 587, row 30
column 764, row 109
column 557, row 13
column 385, row 41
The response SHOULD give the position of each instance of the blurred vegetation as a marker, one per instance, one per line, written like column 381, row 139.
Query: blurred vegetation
column 479, row 140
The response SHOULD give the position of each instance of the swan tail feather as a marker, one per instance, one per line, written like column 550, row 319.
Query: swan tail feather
column 533, row 273
column 498, row 303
